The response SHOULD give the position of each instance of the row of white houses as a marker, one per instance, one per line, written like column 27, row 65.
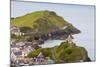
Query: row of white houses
column 16, row 31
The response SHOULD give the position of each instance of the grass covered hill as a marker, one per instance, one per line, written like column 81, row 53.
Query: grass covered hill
column 43, row 22
column 64, row 53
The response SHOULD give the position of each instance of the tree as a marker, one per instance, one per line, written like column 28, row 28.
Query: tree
column 25, row 29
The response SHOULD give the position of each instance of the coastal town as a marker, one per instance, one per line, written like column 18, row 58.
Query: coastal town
column 20, row 50
column 47, row 39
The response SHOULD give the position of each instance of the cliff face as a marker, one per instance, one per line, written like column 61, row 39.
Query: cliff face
column 64, row 53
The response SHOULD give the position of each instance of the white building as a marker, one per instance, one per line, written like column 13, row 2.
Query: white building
column 69, row 39
column 16, row 31
column 13, row 57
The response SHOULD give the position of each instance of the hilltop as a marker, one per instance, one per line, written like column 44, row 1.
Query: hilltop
column 65, row 52
column 44, row 22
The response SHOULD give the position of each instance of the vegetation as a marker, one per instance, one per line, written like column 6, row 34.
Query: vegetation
column 42, row 22
column 37, row 26
column 25, row 29
column 22, row 38
column 65, row 52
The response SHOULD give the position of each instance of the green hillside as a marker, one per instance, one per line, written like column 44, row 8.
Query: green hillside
column 65, row 52
column 42, row 21
column 30, row 19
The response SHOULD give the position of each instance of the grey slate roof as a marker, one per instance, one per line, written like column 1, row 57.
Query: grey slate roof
column 18, row 53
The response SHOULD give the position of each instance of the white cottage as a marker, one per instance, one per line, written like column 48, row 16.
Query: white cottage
column 13, row 57
column 15, row 30
column 26, row 51
column 40, row 58
column 69, row 39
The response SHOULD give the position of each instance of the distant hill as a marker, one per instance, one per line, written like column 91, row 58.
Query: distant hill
column 43, row 22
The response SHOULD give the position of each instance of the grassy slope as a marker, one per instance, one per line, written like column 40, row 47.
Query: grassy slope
column 29, row 19
column 44, row 21
column 65, row 52
column 26, row 20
